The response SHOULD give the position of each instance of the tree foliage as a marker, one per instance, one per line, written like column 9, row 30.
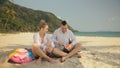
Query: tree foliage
column 17, row 18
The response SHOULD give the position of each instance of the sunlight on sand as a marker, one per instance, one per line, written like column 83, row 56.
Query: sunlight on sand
column 97, row 52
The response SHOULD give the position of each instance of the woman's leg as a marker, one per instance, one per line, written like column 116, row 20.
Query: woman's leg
column 38, row 52
column 38, row 61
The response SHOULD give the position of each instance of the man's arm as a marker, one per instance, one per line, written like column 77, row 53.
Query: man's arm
column 73, row 38
column 54, row 37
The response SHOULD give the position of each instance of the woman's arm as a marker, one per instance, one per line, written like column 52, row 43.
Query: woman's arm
column 36, row 39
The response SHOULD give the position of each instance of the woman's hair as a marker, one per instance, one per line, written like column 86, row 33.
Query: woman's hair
column 42, row 24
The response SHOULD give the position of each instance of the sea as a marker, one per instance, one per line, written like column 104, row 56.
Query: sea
column 99, row 34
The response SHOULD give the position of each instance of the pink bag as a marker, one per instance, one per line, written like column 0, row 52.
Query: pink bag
column 21, row 55
column 17, row 59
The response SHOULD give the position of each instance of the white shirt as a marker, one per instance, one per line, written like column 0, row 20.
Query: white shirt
column 37, row 40
column 59, row 36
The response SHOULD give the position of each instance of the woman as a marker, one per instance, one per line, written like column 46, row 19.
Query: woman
column 42, row 44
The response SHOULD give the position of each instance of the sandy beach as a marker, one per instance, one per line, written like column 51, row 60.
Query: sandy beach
column 96, row 52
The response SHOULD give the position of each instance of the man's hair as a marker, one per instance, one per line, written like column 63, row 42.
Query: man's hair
column 64, row 23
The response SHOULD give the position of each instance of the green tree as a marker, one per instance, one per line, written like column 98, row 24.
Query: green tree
column 10, row 14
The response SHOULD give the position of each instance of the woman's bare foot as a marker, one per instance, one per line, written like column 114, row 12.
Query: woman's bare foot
column 52, row 61
column 38, row 61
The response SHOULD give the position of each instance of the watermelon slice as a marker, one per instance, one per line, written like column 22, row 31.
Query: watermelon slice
column 67, row 46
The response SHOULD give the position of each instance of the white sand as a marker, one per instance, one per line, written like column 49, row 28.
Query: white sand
column 97, row 52
column 100, row 52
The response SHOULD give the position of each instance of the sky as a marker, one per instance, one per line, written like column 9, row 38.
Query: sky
column 82, row 15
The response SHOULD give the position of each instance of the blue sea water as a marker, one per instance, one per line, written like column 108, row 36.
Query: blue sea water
column 101, row 34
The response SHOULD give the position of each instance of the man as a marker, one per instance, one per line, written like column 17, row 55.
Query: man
column 65, row 40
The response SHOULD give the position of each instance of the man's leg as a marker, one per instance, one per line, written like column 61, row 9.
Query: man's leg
column 56, row 51
column 73, row 52
column 38, row 52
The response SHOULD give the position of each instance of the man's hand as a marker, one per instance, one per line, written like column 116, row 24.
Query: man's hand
column 60, row 44
column 69, row 47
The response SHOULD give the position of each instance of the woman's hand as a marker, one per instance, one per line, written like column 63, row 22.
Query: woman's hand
column 48, row 44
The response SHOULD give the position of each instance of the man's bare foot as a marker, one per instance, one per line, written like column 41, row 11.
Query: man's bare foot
column 38, row 61
column 52, row 61
column 79, row 56
column 62, row 59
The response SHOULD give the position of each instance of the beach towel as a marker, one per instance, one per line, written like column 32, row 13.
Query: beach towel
column 21, row 55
